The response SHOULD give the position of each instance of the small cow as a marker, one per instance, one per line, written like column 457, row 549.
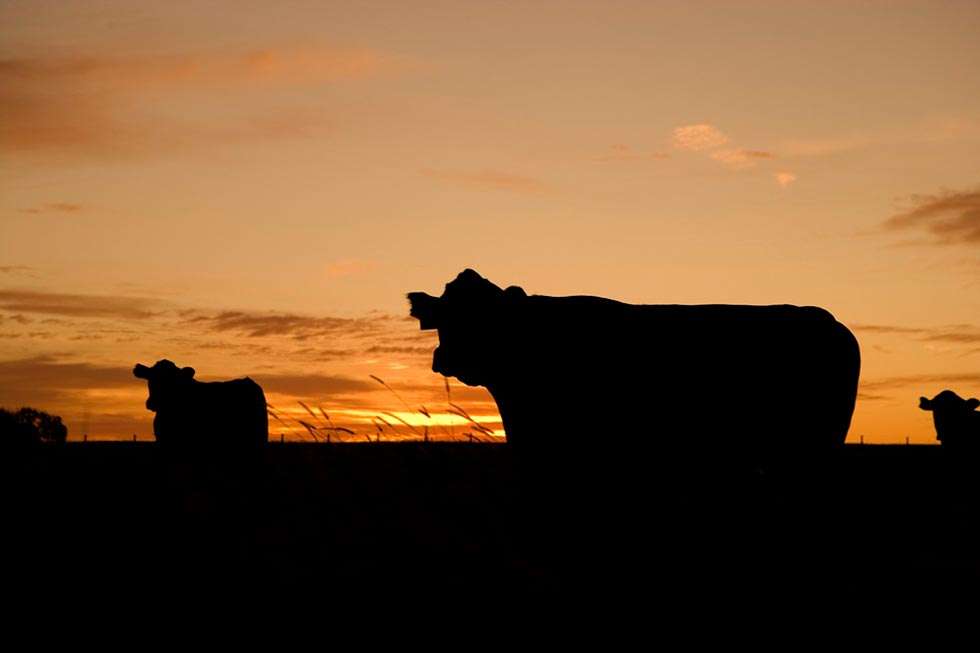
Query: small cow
column 194, row 413
column 568, row 372
column 957, row 420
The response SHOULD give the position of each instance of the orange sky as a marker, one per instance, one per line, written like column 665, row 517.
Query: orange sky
column 251, row 188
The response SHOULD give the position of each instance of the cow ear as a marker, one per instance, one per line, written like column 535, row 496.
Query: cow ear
column 469, row 286
column 141, row 371
column 972, row 403
column 187, row 373
column 925, row 404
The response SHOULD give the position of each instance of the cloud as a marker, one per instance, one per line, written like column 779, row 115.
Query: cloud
column 390, row 349
column 931, row 380
column 957, row 334
column 321, row 355
column 489, row 180
column 784, row 179
column 18, row 271
column 40, row 380
column 706, row 139
column 31, row 301
column 950, row 217
column 109, row 106
column 618, row 153
column 312, row 385
column 958, row 337
column 698, row 137
column 864, row 396
column 299, row 327
column 54, row 207
column 927, row 132
column 884, row 328
column 740, row 159
column 284, row 66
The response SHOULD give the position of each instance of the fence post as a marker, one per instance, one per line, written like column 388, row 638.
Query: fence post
column 282, row 438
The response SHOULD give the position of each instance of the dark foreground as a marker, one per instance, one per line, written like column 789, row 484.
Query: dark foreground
column 450, row 526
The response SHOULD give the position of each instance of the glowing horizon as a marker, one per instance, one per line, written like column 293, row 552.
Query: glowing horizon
column 251, row 190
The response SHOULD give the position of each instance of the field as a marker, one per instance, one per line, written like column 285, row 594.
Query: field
column 452, row 525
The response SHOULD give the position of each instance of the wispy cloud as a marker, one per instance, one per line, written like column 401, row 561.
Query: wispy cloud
column 927, row 381
column 105, row 106
column 706, row 140
column 53, row 207
column 299, row 327
column 924, row 133
column 784, row 178
column 391, row 349
column 888, row 328
column 740, row 159
column 272, row 66
column 489, row 180
column 71, row 305
column 40, row 380
column 698, row 137
column 313, row 385
column 956, row 337
column 322, row 354
column 19, row 271
column 621, row 153
column 949, row 217
column 955, row 334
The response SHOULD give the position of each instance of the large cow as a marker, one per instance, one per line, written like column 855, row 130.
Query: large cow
column 194, row 413
column 587, row 372
column 957, row 420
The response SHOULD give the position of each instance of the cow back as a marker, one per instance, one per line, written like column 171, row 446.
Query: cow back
column 586, row 371
column 223, row 414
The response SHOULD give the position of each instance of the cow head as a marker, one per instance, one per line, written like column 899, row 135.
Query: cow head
column 471, row 317
column 948, row 402
column 166, row 382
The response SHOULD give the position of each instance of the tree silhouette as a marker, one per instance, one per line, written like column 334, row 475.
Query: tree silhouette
column 29, row 426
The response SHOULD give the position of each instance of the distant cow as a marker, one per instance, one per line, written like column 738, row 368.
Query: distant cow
column 193, row 413
column 586, row 371
column 957, row 420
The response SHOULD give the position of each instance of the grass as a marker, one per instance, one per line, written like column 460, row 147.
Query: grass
column 384, row 425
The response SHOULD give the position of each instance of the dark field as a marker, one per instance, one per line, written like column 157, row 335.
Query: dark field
column 451, row 524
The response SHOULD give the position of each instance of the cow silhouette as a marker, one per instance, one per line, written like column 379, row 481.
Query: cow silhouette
column 574, row 372
column 194, row 413
column 957, row 420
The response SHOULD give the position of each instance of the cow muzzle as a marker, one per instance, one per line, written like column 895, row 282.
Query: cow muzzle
column 426, row 309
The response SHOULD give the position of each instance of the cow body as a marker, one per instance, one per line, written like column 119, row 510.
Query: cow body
column 194, row 413
column 956, row 419
column 574, row 372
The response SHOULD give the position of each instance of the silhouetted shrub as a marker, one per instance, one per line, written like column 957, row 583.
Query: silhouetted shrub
column 30, row 426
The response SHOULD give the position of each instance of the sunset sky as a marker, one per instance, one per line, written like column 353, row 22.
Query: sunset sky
column 250, row 188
